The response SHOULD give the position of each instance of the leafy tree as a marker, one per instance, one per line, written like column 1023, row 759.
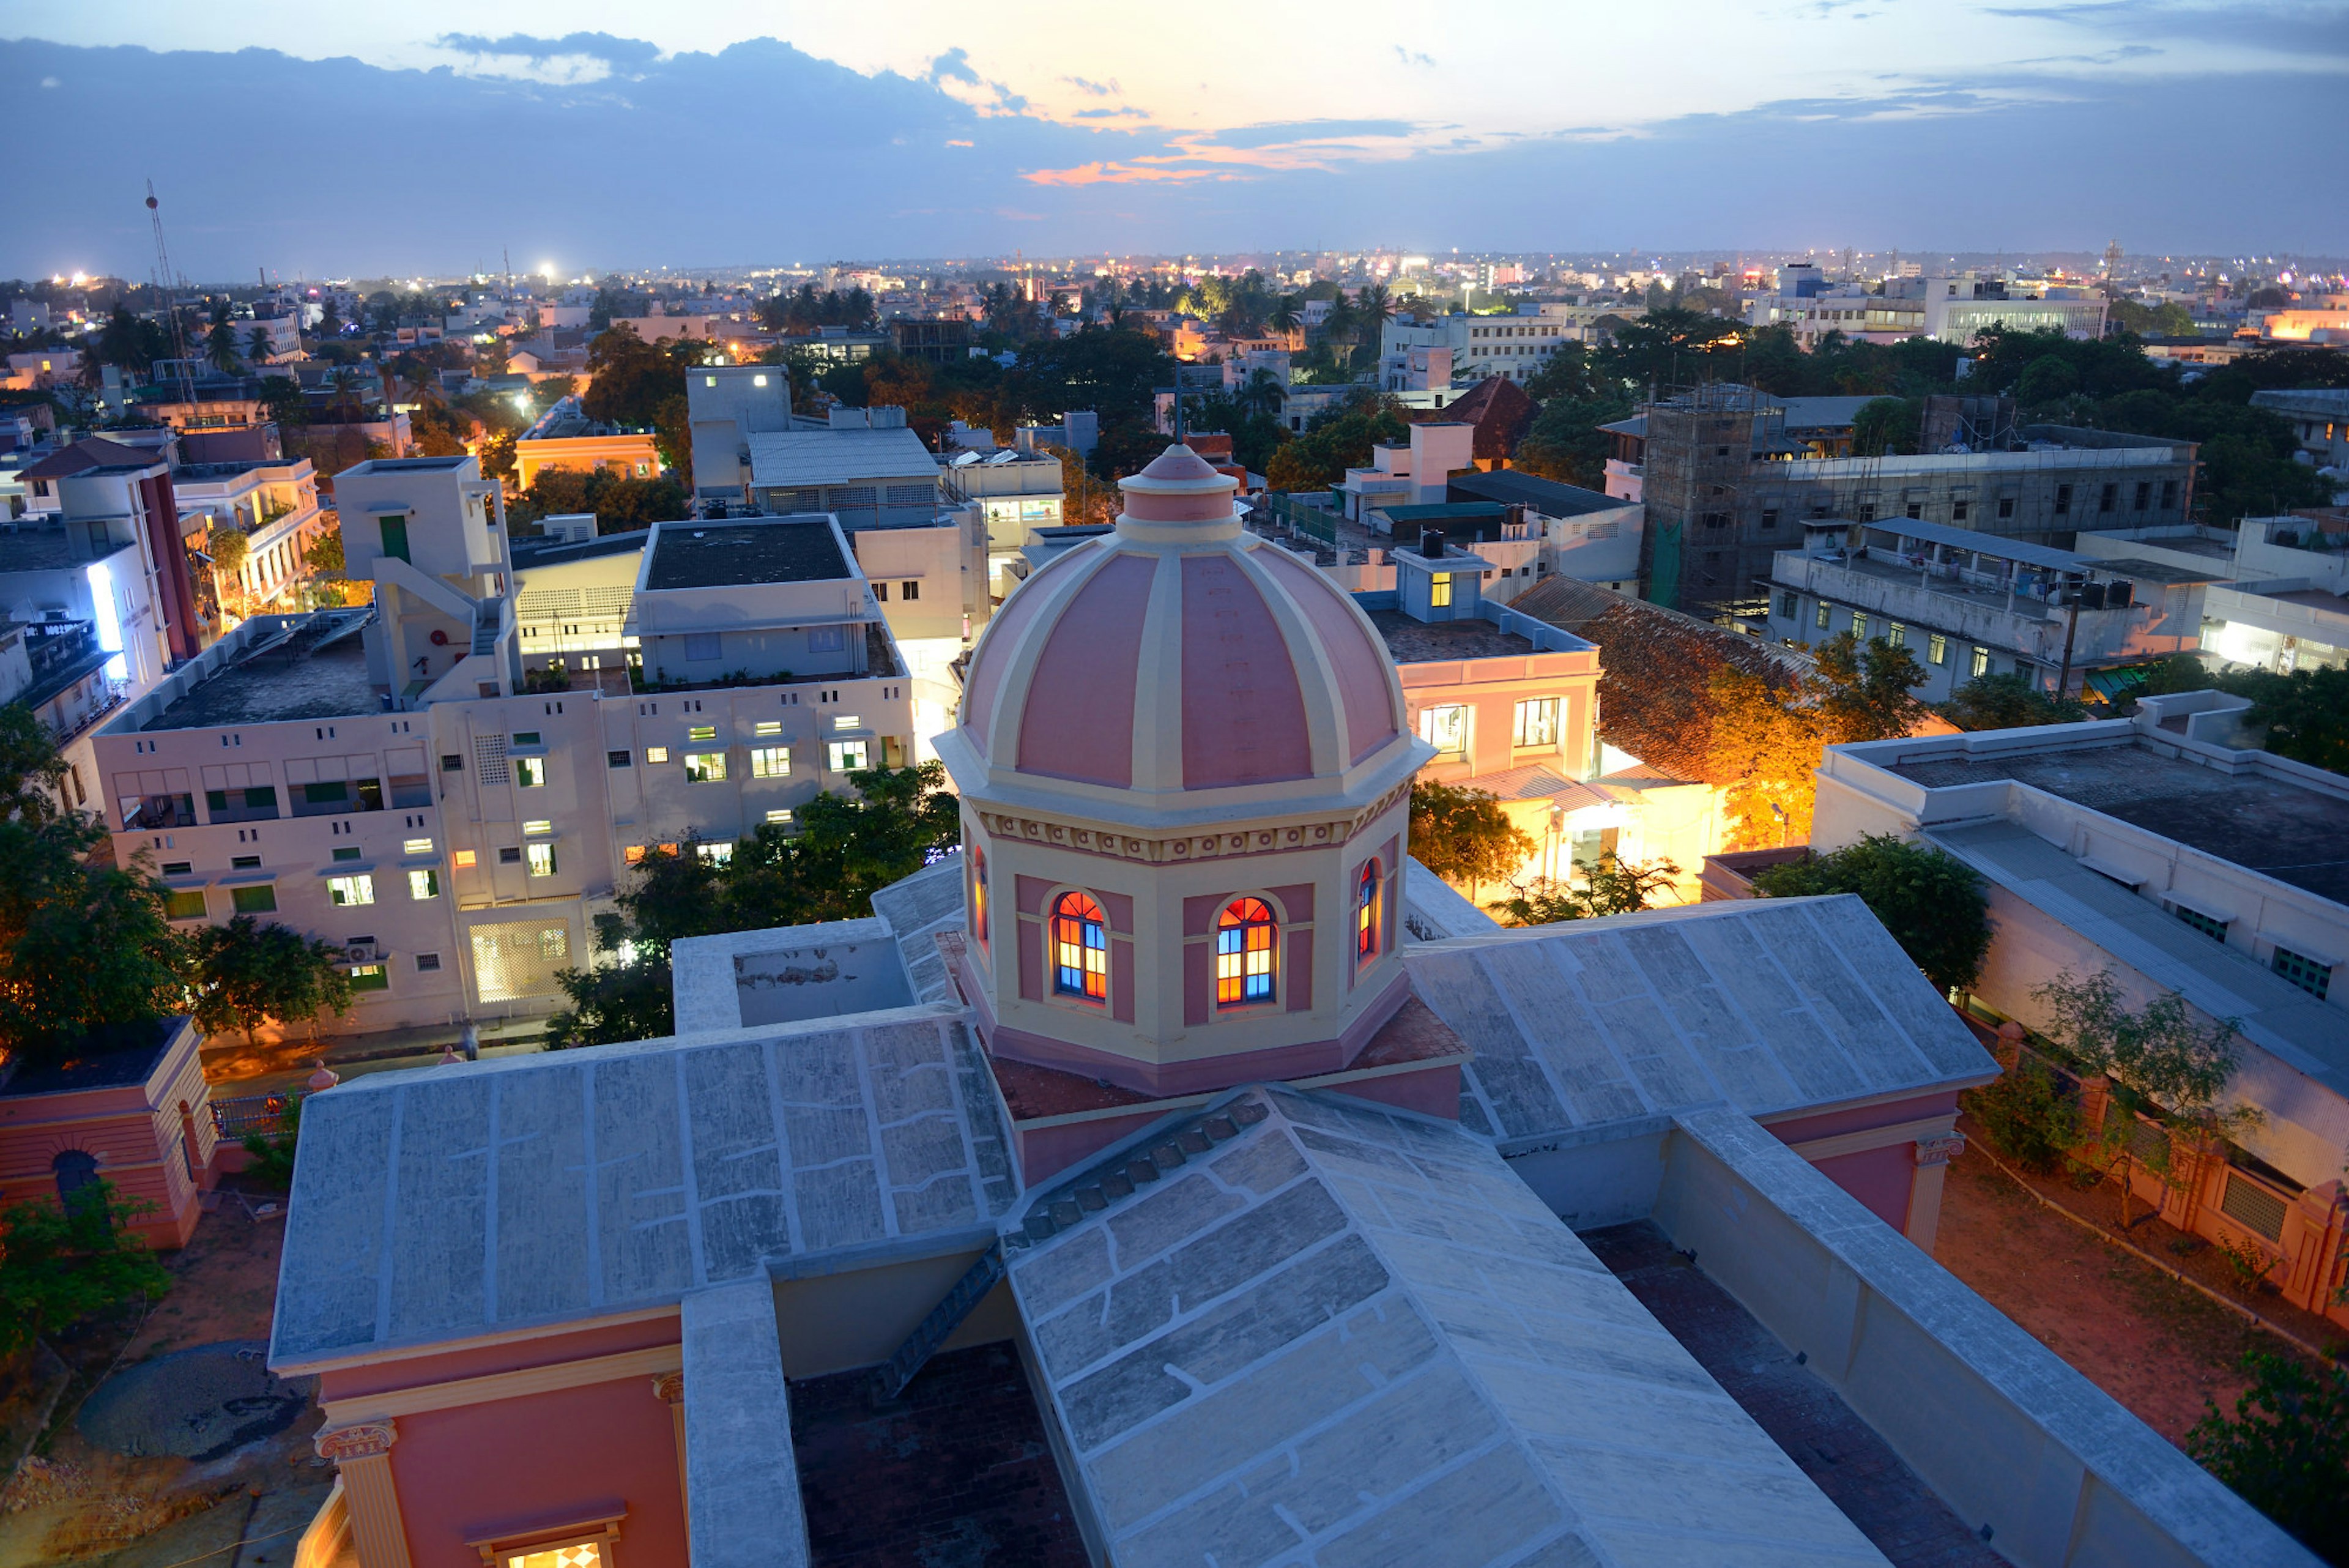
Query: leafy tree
column 248, row 973
column 272, row 1153
column 846, row 850
column 2286, row 1451
column 2163, row 1063
column 2049, row 378
column 1463, row 836
column 2304, row 714
column 2027, row 1115
column 324, row 556
column 2008, row 701
column 284, row 402
column 63, row 1262
column 642, row 385
column 84, row 945
column 1610, row 886
column 1668, row 347
column 1564, row 443
column 1887, row 427
column 1932, row 903
column 619, row 502
column 1767, row 739
column 1337, row 440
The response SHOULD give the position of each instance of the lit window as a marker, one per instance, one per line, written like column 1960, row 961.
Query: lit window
column 1244, row 942
column 702, row 733
column 369, row 977
column 423, row 884
column 718, row 853
column 1895, row 635
column 541, row 860
column 538, row 825
column 656, row 754
column 767, row 726
column 633, row 854
column 1981, row 662
column 1937, row 649
column 1537, row 723
column 530, row 772
column 1439, row 589
column 979, row 893
column 847, row 721
column 705, row 767
column 758, row 380
column 416, row 847
column 848, row 757
column 1445, row 726
column 1819, row 616
column 780, row 816
column 1859, row 626
column 771, row 761
column 1079, row 949
column 353, row 890
column 1366, row 914
column 462, row 859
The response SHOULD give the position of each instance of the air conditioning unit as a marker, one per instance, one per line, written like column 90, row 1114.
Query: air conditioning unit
column 362, row 952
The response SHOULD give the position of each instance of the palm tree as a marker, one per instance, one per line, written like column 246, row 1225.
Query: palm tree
column 1285, row 314
column 257, row 346
column 219, row 348
column 1261, row 394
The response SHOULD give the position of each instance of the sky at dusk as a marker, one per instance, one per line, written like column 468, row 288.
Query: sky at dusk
column 425, row 137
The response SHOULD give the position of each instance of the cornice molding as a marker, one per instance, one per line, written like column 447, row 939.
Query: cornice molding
column 1069, row 832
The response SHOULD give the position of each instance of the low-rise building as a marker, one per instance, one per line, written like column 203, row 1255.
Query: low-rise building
column 2156, row 850
column 1584, row 535
column 564, row 437
column 1017, row 491
column 413, row 782
column 2320, row 417
column 1967, row 604
column 1410, row 473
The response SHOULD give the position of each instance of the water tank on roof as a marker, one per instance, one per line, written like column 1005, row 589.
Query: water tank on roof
column 2120, row 595
column 2092, row 596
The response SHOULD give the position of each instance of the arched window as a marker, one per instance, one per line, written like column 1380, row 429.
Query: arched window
column 1244, row 948
column 979, row 893
column 76, row 1171
column 1079, row 949
column 1366, row 914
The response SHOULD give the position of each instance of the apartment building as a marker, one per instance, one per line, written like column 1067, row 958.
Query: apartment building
column 1410, row 473
column 411, row 781
column 1967, row 604
column 1471, row 348
column 725, row 406
column 1018, row 490
column 271, row 502
column 1950, row 308
column 1727, row 489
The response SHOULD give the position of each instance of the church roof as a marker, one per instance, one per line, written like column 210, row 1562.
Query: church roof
column 1766, row 1005
column 442, row 1205
column 1336, row 1334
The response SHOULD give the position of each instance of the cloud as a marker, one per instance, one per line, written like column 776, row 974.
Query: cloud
column 1298, row 132
column 2303, row 30
column 1098, row 89
column 620, row 54
column 1413, row 57
column 953, row 66
column 1119, row 112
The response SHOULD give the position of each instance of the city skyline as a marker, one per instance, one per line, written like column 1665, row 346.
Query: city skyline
column 1995, row 127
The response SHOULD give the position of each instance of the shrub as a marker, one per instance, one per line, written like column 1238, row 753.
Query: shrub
column 2028, row 1116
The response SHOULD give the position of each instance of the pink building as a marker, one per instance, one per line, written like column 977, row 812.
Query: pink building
column 131, row 1109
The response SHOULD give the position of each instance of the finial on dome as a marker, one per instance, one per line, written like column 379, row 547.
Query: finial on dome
column 1179, row 486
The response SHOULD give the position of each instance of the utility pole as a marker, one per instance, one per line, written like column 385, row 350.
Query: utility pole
column 2071, row 629
column 164, row 282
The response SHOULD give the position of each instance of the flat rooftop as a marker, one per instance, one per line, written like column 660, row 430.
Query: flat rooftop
column 37, row 550
column 2293, row 834
column 729, row 554
column 1430, row 642
column 305, row 676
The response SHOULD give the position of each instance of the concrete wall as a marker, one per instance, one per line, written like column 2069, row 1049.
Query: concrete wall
column 2019, row 1444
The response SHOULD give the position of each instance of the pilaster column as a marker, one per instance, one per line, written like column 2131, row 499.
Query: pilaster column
column 1933, row 1155
column 362, row 1451
column 669, row 1389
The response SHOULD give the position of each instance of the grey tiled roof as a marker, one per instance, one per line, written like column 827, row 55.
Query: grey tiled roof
column 444, row 1204
column 917, row 909
column 1338, row 1335
column 1765, row 1005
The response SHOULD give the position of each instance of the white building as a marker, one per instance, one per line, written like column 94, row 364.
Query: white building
column 725, row 406
column 412, row 782
column 1412, row 472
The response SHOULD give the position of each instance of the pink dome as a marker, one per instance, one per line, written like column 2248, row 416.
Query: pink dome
column 1179, row 654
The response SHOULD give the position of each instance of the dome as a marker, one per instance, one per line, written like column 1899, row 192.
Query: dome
column 1180, row 654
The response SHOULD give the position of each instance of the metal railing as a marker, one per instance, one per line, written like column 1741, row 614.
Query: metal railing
column 243, row 1114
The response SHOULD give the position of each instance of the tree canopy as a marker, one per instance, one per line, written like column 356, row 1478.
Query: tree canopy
column 1767, row 739
column 1462, row 834
column 847, row 850
column 248, row 973
column 1934, row 904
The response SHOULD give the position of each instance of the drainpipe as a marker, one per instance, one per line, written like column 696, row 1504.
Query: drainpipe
column 2071, row 629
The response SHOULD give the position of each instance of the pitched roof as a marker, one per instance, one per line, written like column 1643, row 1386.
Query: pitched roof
column 1765, row 1004
column 456, row 1202
column 1347, row 1335
column 92, row 452
column 1499, row 409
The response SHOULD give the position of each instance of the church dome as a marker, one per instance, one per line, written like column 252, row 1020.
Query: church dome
column 1181, row 655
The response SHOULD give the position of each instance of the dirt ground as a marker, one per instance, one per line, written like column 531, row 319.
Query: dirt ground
column 2150, row 1342
column 73, row 1501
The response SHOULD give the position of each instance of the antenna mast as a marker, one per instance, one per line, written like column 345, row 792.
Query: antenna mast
column 164, row 283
